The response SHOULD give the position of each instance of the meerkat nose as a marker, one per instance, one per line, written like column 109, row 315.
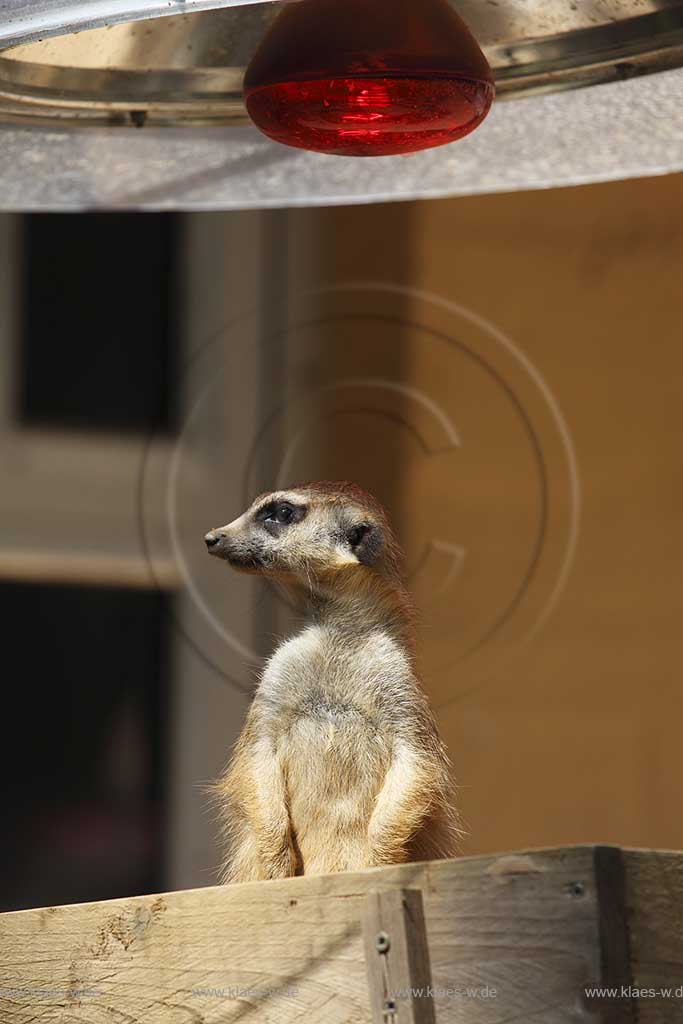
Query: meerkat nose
column 211, row 539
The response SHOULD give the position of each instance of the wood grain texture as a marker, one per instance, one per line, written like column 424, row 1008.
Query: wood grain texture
column 397, row 957
column 654, row 893
column 513, row 937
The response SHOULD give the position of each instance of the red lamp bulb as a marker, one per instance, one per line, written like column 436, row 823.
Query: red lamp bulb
column 368, row 77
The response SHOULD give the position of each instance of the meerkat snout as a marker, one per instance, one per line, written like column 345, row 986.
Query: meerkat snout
column 237, row 548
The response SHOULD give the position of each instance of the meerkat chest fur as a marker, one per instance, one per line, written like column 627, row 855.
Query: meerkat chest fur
column 332, row 704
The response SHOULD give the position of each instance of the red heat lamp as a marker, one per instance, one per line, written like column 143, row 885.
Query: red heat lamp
column 368, row 77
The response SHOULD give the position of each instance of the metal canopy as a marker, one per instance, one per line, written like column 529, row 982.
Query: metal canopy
column 188, row 68
column 147, row 113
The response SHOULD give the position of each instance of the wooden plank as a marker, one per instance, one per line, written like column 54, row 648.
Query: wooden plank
column 654, row 894
column 615, row 954
column 397, row 956
column 511, row 937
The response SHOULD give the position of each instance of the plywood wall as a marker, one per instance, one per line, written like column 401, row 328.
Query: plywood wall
column 524, row 422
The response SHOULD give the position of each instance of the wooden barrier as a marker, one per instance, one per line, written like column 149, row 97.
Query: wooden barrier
column 524, row 937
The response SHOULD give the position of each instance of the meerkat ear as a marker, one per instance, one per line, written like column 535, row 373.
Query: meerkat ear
column 366, row 542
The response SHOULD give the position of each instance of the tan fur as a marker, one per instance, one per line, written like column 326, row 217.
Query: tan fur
column 339, row 765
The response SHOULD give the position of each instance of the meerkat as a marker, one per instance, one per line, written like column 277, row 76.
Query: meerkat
column 339, row 765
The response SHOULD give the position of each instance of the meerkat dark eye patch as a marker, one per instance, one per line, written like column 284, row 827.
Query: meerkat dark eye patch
column 366, row 542
column 277, row 514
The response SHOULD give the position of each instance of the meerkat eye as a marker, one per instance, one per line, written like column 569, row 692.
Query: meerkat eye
column 276, row 514
column 282, row 513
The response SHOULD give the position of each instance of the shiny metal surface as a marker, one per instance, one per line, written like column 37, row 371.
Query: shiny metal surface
column 187, row 68
column 24, row 20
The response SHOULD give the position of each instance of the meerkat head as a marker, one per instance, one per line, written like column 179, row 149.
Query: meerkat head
column 315, row 531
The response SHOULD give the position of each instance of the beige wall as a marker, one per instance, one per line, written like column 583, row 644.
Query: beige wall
column 571, row 733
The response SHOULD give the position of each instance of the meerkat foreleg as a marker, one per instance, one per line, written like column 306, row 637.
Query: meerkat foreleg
column 262, row 840
column 401, row 805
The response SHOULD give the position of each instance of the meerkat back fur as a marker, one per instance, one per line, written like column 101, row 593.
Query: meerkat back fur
column 339, row 765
